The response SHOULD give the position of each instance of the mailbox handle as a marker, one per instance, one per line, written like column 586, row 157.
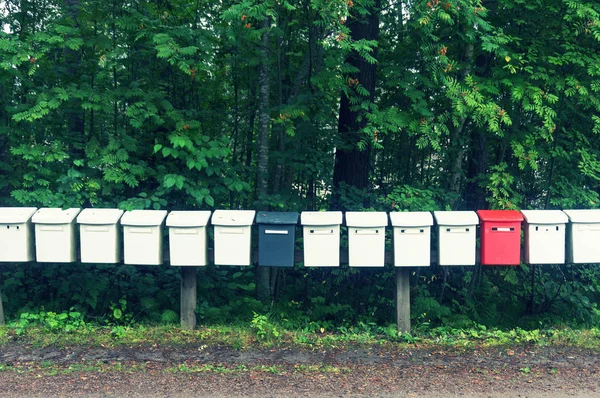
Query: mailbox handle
column 461, row 230
column 412, row 231
column 232, row 231
column 51, row 228
column 589, row 228
column 185, row 231
column 135, row 230
column 321, row 231
column 275, row 232
column 366, row 232
column 96, row 228
column 503, row 229
column 549, row 228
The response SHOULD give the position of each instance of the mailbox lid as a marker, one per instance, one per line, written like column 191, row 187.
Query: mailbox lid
column 49, row 215
column 588, row 216
column 192, row 218
column 321, row 218
column 411, row 218
column 145, row 218
column 99, row 216
column 366, row 219
column 545, row 216
column 456, row 217
column 16, row 215
column 233, row 217
column 500, row 215
column 277, row 218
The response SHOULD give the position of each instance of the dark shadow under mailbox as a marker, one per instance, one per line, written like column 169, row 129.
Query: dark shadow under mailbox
column 276, row 238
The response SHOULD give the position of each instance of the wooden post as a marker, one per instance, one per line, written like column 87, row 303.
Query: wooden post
column 1, row 310
column 189, row 283
column 403, row 299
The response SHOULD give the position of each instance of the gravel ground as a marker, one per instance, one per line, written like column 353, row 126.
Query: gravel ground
column 355, row 371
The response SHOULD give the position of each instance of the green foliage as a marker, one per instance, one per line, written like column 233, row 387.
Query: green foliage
column 51, row 322
column 157, row 106
column 264, row 328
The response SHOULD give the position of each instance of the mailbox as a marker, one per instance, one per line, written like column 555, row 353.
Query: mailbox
column 456, row 237
column 545, row 236
column 321, row 232
column 500, row 237
column 233, row 236
column 366, row 238
column 99, row 235
column 187, row 237
column 412, row 238
column 143, row 236
column 583, row 236
column 276, row 238
column 16, row 236
column 55, row 235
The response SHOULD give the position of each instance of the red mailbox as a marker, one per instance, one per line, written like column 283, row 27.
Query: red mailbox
column 500, row 237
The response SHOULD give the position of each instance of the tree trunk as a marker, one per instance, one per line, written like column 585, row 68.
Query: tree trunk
column 1, row 310
column 352, row 165
column 263, row 274
column 457, row 148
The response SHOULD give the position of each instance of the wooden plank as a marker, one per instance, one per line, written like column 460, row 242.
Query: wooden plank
column 189, row 283
column 403, row 299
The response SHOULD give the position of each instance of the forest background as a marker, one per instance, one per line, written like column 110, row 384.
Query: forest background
column 295, row 105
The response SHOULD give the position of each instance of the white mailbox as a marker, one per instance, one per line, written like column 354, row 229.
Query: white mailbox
column 233, row 236
column 545, row 236
column 584, row 236
column 16, row 237
column 143, row 236
column 321, row 231
column 412, row 238
column 187, row 237
column 55, row 235
column 366, row 238
column 99, row 235
column 456, row 237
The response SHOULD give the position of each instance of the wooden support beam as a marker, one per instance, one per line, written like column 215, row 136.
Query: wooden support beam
column 403, row 299
column 189, row 281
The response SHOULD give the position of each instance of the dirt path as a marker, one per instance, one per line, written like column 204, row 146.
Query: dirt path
column 356, row 371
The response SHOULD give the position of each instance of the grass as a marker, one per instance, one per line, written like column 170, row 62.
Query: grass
column 264, row 334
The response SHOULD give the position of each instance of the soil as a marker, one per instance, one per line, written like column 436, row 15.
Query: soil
column 381, row 371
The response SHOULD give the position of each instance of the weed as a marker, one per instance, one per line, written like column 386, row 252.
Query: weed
column 274, row 369
column 525, row 370
column 265, row 330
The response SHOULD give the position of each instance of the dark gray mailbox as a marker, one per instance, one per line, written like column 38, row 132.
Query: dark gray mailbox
column 276, row 236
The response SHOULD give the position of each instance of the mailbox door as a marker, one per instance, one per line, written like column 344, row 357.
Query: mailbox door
column 276, row 245
column 55, row 243
column 187, row 246
column 321, row 245
column 16, row 243
column 366, row 246
column 456, row 244
column 232, row 245
column 500, row 243
column 412, row 246
column 100, row 244
column 143, row 245
column 584, row 239
column 545, row 244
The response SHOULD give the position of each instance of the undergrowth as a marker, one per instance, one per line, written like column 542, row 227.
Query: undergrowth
column 69, row 329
